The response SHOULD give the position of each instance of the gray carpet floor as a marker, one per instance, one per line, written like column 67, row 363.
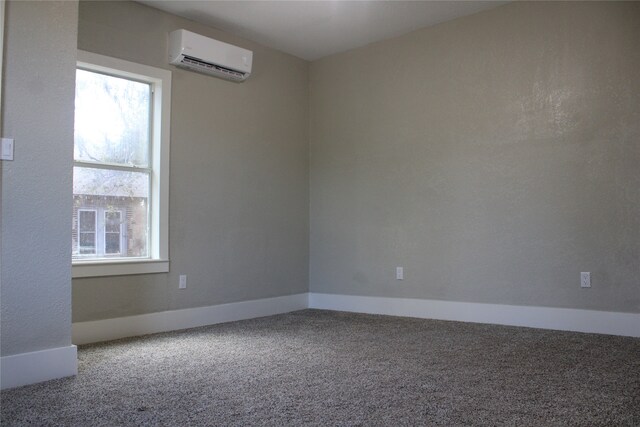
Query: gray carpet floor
column 316, row 367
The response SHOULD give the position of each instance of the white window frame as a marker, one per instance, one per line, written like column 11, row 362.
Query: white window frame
column 160, row 80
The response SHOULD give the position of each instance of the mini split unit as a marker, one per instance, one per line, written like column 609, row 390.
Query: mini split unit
column 208, row 56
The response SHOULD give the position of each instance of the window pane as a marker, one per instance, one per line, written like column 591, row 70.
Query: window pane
column 87, row 220
column 111, row 119
column 112, row 222
column 112, row 243
column 122, row 200
column 88, row 240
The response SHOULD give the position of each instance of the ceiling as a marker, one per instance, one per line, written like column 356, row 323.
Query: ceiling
column 313, row 29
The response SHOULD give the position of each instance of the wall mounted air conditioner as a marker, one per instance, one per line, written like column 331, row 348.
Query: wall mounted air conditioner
column 204, row 55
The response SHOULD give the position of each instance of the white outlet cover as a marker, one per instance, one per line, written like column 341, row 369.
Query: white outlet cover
column 585, row 279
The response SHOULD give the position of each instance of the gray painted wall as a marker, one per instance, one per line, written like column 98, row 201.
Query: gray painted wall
column 239, row 173
column 37, row 111
column 494, row 157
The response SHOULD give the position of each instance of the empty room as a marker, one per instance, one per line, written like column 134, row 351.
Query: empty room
column 320, row 213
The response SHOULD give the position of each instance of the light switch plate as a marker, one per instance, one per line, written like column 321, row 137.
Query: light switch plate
column 6, row 149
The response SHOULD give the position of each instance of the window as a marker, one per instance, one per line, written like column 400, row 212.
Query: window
column 112, row 232
column 100, row 233
column 87, row 232
column 120, row 168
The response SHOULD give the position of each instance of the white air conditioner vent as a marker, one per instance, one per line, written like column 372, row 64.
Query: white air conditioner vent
column 198, row 65
column 208, row 56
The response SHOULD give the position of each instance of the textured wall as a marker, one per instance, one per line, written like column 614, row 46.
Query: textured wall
column 494, row 157
column 239, row 173
column 38, row 93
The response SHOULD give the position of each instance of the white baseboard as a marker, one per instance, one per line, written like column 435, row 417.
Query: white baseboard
column 564, row 319
column 29, row 368
column 121, row 327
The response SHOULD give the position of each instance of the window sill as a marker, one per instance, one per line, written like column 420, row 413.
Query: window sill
column 99, row 268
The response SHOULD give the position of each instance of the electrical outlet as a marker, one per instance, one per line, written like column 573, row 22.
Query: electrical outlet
column 183, row 282
column 399, row 273
column 585, row 279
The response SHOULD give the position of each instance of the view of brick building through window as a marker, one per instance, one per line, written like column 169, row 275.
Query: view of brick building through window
column 108, row 225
